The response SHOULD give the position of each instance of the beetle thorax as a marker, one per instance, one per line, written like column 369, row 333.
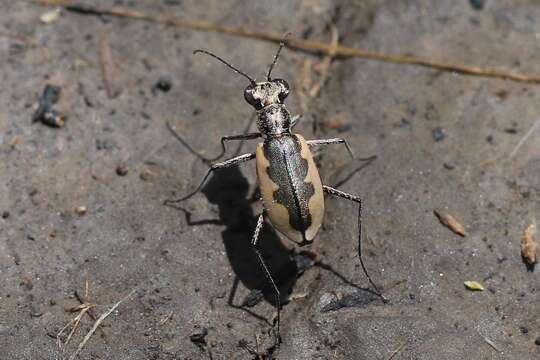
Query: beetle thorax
column 274, row 119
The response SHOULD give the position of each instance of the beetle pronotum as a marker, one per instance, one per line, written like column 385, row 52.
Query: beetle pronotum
column 291, row 188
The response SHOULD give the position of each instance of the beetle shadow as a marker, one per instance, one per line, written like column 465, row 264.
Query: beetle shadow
column 228, row 189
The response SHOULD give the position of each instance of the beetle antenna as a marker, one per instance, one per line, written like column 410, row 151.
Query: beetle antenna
column 251, row 80
column 281, row 45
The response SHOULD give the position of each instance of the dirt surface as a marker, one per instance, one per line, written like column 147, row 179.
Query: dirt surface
column 442, row 140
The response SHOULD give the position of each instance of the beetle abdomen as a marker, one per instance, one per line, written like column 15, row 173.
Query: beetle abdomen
column 290, row 187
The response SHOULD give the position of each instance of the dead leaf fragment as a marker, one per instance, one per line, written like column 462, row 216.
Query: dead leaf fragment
column 450, row 222
column 474, row 285
column 50, row 16
column 529, row 246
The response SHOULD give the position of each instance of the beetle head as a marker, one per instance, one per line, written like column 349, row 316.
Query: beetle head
column 260, row 95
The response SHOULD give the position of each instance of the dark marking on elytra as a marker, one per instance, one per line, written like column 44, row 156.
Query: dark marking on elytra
column 288, row 169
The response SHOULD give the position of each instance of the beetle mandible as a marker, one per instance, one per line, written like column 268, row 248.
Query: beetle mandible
column 291, row 188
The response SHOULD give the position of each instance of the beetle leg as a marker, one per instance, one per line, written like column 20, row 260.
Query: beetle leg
column 357, row 200
column 225, row 164
column 254, row 243
column 331, row 141
column 294, row 120
column 247, row 136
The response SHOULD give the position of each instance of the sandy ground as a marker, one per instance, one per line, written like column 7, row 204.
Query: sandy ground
column 442, row 140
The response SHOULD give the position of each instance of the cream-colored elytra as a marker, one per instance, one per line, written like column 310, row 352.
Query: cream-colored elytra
column 278, row 213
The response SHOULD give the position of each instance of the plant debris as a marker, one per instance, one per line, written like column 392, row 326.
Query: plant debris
column 45, row 112
column 108, row 68
column 474, row 286
column 450, row 222
column 529, row 246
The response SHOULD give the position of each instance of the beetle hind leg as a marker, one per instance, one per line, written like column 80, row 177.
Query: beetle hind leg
column 255, row 245
column 357, row 200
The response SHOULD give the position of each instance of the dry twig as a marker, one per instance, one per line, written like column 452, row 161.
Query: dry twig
column 296, row 43
column 325, row 64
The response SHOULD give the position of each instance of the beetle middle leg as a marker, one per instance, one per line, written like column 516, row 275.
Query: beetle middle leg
column 357, row 200
column 255, row 245
column 331, row 141
column 221, row 165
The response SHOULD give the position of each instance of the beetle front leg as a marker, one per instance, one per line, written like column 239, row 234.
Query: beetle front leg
column 254, row 243
column 294, row 120
column 357, row 200
column 331, row 141
column 222, row 165
column 247, row 136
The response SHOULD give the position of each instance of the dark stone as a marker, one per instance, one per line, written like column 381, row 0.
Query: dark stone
column 438, row 134
column 477, row 4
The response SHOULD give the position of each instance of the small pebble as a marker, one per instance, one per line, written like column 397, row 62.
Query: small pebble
column 164, row 84
column 121, row 170
column 81, row 210
column 449, row 166
column 438, row 134
column 5, row 214
column 477, row 4
column 537, row 341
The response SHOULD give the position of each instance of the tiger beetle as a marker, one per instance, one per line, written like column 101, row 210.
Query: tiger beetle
column 291, row 188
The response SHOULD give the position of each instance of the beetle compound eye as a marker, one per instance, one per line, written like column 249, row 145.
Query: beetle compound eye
column 284, row 88
column 248, row 95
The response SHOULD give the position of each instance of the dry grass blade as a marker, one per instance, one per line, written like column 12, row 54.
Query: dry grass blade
column 97, row 323
column 395, row 352
column 74, row 323
column 300, row 44
column 524, row 138
column 529, row 246
column 450, row 222
column 491, row 343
